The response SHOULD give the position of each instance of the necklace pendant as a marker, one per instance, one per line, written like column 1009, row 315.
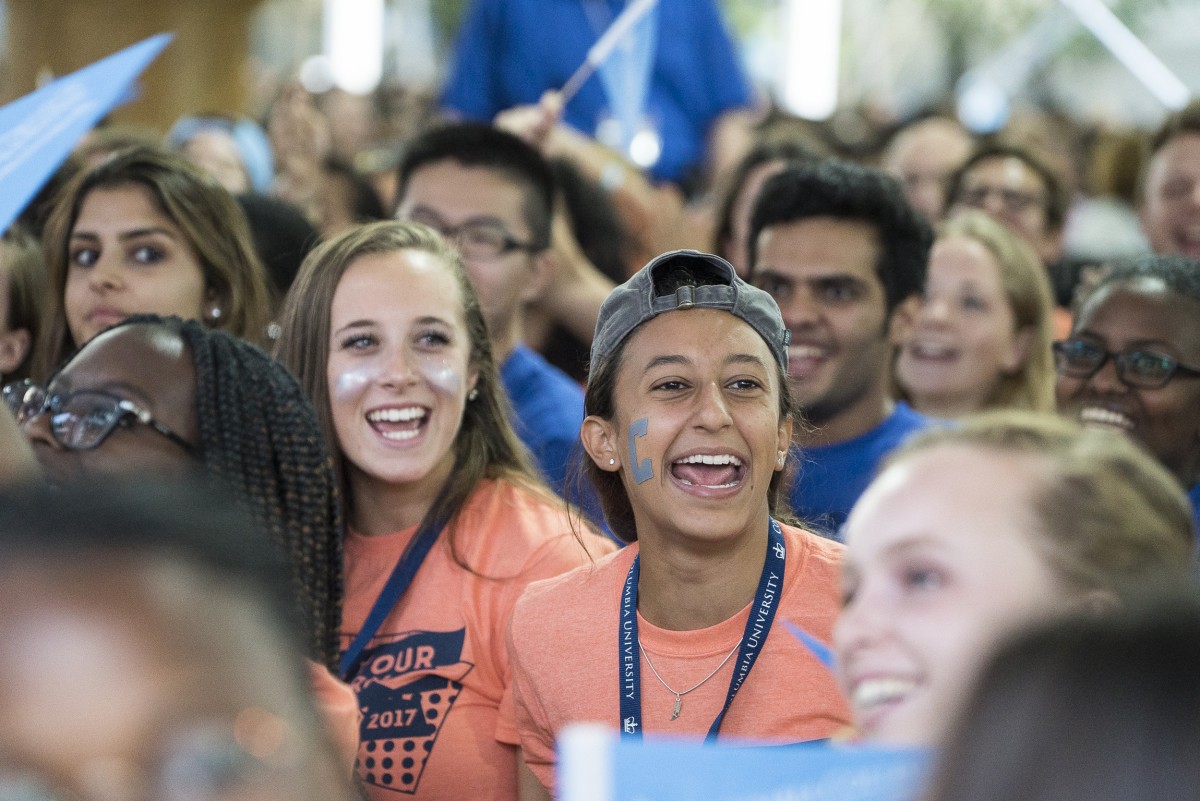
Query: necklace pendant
column 678, row 706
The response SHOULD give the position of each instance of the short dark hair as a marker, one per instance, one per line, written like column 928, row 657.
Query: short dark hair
column 849, row 191
column 1178, row 123
column 1056, row 202
column 478, row 145
column 1180, row 274
column 764, row 152
column 364, row 200
column 282, row 237
column 194, row 525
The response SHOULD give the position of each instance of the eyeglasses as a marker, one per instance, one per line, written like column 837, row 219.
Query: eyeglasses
column 1144, row 369
column 477, row 239
column 1011, row 200
column 81, row 420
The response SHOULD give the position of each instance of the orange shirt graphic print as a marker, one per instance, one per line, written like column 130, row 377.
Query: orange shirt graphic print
column 406, row 686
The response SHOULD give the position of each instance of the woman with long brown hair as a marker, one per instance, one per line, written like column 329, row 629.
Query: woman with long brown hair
column 448, row 521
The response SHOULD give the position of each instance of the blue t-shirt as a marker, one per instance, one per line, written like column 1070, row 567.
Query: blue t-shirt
column 1194, row 497
column 548, row 411
column 829, row 478
column 511, row 51
column 548, row 407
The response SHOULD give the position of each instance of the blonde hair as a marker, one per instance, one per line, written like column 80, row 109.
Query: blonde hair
column 1029, row 296
column 1109, row 517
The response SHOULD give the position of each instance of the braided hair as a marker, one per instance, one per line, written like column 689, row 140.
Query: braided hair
column 259, row 437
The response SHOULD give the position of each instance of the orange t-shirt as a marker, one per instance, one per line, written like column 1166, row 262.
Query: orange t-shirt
column 563, row 649
column 430, row 682
column 338, row 707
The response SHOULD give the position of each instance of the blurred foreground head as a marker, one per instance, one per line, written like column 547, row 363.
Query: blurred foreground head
column 1088, row 708
column 972, row 532
column 151, row 651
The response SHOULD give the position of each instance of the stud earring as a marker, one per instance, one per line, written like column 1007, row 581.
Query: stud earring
column 473, row 394
column 612, row 462
column 214, row 313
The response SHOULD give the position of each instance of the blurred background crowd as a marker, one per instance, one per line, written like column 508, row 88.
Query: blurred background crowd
column 390, row 282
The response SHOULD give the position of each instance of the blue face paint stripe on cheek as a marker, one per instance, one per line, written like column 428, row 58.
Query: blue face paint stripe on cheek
column 642, row 470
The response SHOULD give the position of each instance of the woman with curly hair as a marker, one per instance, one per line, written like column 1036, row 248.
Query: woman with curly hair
column 169, row 397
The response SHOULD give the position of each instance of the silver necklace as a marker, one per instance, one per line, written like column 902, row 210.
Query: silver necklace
column 680, row 693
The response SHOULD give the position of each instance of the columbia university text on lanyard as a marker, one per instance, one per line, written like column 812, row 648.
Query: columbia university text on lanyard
column 754, row 638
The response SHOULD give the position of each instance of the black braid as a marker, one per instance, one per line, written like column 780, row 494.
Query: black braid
column 259, row 435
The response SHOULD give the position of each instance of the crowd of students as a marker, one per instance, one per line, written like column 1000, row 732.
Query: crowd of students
column 872, row 403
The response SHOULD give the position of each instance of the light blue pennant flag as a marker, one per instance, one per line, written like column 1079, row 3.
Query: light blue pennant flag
column 596, row 765
column 38, row 131
column 627, row 73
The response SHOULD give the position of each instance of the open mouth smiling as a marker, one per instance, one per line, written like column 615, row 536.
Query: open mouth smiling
column 1100, row 417
column 873, row 698
column 710, row 471
column 398, row 424
column 932, row 351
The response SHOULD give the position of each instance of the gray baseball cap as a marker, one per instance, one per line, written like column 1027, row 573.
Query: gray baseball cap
column 704, row 281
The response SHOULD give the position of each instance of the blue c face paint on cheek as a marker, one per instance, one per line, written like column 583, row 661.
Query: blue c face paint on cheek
column 642, row 470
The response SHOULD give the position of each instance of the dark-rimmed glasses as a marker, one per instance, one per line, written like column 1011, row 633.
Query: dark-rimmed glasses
column 1013, row 201
column 81, row 420
column 1145, row 369
column 476, row 239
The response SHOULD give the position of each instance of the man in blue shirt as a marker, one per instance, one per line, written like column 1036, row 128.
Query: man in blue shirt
column 839, row 248
column 493, row 195
column 509, row 52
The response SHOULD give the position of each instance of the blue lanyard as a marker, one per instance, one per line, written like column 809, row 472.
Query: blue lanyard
column 402, row 576
column 754, row 638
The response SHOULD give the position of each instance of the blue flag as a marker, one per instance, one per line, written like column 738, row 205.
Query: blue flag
column 626, row 76
column 38, row 131
column 595, row 765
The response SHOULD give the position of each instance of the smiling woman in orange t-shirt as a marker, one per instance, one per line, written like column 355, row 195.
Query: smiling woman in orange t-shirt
column 688, row 429
column 447, row 519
